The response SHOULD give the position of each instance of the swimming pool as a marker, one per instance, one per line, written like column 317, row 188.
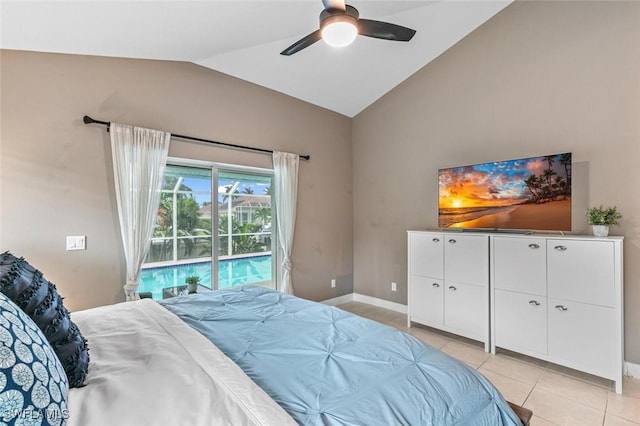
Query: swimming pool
column 231, row 272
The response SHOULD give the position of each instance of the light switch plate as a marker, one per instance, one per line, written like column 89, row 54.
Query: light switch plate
column 76, row 242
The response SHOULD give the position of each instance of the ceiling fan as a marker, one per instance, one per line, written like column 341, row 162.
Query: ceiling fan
column 341, row 23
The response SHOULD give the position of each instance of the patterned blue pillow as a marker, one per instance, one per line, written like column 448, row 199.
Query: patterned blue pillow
column 38, row 298
column 33, row 384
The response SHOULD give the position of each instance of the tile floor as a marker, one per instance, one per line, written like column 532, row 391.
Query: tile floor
column 557, row 395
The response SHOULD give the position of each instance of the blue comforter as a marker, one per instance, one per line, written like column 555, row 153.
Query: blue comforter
column 325, row 366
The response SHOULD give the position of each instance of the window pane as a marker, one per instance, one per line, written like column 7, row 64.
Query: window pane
column 244, row 203
column 182, row 245
column 183, row 226
column 161, row 250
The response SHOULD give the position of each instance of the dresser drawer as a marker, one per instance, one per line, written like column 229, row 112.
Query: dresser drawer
column 521, row 322
column 426, row 304
column 426, row 256
column 520, row 264
column 583, row 336
column 465, row 258
column 581, row 272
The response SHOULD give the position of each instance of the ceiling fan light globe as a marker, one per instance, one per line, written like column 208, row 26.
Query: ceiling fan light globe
column 339, row 33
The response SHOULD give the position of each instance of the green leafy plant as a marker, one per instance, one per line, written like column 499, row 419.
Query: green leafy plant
column 603, row 216
column 194, row 279
column 192, row 283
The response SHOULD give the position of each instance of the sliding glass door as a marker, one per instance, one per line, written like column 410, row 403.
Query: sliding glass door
column 214, row 223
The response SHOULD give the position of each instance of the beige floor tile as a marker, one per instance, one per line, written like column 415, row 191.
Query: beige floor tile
column 562, row 411
column 514, row 369
column 523, row 358
column 347, row 306
column 631, row 386
column 611, row 420
column 434, row 339
column 384, row 315
column 368, row 315
column 399, row 322
column 539, row 421
column 627, row 407
column 585, row 393
column 585, row 377
column 512, row 390
column 474, row 356
column 358, row 308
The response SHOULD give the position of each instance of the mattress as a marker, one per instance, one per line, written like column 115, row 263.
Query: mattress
column 149, row 368
column 325, row 366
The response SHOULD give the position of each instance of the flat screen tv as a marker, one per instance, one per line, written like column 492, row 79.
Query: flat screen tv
column 524, row 194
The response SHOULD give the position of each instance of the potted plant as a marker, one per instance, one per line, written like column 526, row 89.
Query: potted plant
column 192, row 283
column 601, row 218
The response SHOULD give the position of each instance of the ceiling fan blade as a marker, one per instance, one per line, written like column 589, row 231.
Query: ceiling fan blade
column 334, row 4
column 384, row 30
column 302, row 43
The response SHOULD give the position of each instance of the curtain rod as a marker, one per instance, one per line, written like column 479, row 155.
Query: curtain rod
column 88, row 120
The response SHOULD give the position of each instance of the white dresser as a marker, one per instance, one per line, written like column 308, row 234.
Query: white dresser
column 449, row 282
column 560, row 299
column 556, row 298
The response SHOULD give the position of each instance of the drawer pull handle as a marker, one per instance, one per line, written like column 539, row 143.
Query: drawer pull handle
column 561, row 308
column 534, row 246
column 560, row 248
column 452, row 241
column 534, row 303
column 435, row 285
column 436, row 240
column 452, row 288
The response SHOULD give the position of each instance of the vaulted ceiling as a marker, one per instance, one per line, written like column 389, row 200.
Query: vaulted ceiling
column 244, row 39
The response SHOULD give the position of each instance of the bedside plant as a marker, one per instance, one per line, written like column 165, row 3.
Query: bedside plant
column 601, row 218
column 192, row 283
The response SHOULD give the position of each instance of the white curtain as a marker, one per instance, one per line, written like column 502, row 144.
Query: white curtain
column 285, row 168
column 139, row 159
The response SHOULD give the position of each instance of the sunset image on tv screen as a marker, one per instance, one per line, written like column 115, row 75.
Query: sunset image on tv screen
column 529, row 194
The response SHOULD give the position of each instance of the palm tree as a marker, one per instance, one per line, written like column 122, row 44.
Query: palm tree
column 547, row 175
column 227, row 190
column 264, row 214
column 178, row 198
column 565, row 161
column 560, row 185
column 243, row 242
column 533, row 185
column 163, row 220
column 247, row 190
column 550, row 160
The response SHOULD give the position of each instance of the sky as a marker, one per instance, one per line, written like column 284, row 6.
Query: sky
column 202, row 188
column 199, row 181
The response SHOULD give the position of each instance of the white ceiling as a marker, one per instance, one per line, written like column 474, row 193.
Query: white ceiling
column 244, row 39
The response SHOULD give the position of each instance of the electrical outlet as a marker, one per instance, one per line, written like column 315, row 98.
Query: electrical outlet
column 393, row 287
column 76, row 242
column 333, row 283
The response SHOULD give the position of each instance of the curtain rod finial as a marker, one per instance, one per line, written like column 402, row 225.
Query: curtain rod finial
column 88, row 120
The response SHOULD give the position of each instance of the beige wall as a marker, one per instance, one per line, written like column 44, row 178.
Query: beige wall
column 56, row 173
column 539, row 78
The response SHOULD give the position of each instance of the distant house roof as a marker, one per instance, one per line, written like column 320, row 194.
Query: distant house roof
column 243, row 200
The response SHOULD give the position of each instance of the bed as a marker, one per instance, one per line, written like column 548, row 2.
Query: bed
column 254, row 356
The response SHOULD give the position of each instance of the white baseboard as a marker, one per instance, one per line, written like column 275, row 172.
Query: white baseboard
column 381, row 303
column 631, row 369
column 339, row 300
column 355, row 297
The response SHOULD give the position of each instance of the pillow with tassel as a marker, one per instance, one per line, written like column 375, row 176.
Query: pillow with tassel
column 39, row 299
